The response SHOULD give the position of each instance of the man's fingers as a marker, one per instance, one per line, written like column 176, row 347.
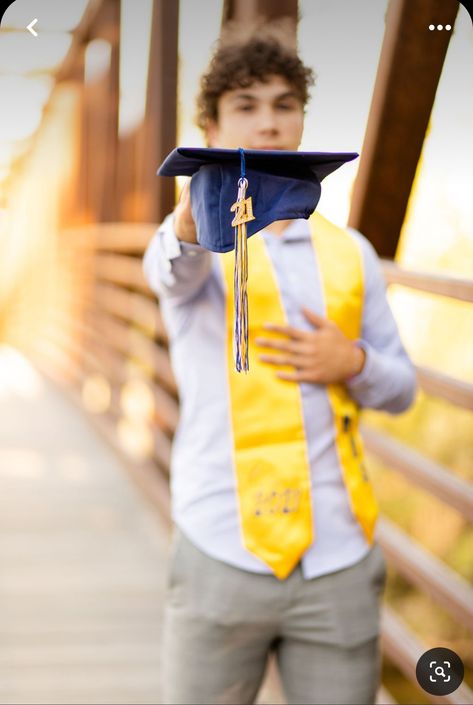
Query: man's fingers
column 297, row 376
column 185, row 192
column 290, row 331
column 292, row 346
column 298, row 361
column 314, row 318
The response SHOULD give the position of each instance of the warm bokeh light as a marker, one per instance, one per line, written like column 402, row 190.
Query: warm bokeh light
column 96, row 394
column 137, row 400
column 136, row 439
column 30, row 278
column 18, row 377
column 134, row 428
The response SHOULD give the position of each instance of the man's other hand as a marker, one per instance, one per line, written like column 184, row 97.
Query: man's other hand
column 184, row 225
column 323, row 355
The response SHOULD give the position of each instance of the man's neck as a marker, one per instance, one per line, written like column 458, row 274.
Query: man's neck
column 278, row 227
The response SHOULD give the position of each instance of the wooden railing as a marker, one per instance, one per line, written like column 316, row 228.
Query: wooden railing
column 113, row 329
column 416, row 565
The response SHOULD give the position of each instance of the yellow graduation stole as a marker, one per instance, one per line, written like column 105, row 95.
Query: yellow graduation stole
column 273, row 478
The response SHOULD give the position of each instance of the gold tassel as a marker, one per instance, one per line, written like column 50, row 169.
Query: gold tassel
column 244, row 213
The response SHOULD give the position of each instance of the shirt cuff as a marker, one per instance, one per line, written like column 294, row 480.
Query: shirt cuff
column 172, row 246
column 358, row 380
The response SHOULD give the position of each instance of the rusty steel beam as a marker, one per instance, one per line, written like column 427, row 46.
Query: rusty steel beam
column 409, row 70
column 80, row 36
column 249, row 10
column 157, row 136
column 100, row 121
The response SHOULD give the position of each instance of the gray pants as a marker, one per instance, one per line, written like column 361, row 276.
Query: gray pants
column 221, row 622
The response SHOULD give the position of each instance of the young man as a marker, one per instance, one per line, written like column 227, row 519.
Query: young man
column 228, row 606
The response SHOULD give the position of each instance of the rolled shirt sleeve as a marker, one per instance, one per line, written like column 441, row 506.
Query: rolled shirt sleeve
column 175, row 269
column 388, row 379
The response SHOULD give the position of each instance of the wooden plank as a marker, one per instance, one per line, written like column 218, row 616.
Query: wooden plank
column 403, row 648
column 84, row 624
column 113, row 368
column 134, row 343
column 440, row 284
column 111, row 355
column 411, row 56
column 143, row 471
column 160, row 459
column 420, row 470
column 90, row 349
column 116, row 237
column 123, row 237
column 132, row 306
column 80, row 357
column 167, row 410
column 52, row 357
column 121, row 269
column 440, row 385
column 151, row 479
column 427, row 572
column 107, row 299
column 97, row 360
column 154, row 484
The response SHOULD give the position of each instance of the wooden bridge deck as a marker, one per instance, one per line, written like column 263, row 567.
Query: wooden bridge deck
column 82, row 558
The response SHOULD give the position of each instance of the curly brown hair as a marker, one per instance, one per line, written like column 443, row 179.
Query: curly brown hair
column 244, row 56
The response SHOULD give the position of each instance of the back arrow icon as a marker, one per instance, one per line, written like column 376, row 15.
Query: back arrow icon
column 30, row 27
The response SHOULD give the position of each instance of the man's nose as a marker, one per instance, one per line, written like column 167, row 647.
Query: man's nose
column 268, row 121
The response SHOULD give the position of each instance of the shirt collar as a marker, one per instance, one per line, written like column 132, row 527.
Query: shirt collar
column 298, row 229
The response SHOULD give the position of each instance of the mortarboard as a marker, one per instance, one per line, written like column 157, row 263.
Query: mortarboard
column 281, row 185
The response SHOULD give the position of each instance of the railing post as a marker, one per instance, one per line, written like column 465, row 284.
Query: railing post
column 408, row 74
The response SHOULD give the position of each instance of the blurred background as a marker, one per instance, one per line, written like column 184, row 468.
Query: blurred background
column 92, row 100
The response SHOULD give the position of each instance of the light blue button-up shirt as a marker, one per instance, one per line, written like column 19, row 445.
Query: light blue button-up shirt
column 189, row 283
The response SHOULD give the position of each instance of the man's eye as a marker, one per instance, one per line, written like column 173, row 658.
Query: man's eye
column 245, row 108
column 285, row 106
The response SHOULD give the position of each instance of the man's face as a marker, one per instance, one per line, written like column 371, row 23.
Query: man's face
column 262, row 116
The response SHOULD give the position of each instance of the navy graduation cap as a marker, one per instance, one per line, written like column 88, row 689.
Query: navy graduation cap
column 235, row 193
column 282, row 185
